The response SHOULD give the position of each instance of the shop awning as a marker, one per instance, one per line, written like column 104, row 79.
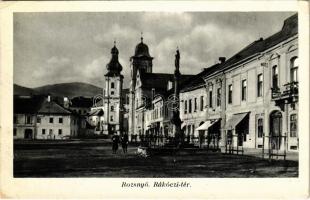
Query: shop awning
column 235, row 120
column 205, row 126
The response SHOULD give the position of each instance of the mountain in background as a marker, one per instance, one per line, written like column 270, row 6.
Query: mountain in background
column 62, row 89
column 23, row 91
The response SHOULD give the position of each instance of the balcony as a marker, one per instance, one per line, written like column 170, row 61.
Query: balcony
column 289, row 94
column 291, row 89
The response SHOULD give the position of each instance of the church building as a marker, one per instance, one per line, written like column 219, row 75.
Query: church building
column 112, row 96
column 146, row 86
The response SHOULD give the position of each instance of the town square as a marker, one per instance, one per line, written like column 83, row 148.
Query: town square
column 201, row 95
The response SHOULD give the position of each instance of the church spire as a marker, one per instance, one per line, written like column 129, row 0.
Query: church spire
column 114, row 67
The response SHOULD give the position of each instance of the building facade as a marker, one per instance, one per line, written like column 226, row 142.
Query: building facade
column 38, row 117
column 112, row 96
column 254, row 94
column 150, row 96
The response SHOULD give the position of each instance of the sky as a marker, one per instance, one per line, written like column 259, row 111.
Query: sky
column 54, row 48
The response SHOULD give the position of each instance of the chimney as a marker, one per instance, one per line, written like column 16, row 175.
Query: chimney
column 48, row 98
column 66, row 102
column 222, row 59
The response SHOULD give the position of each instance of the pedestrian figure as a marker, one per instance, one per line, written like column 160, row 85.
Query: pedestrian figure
column 124, row 141
column 115, row 141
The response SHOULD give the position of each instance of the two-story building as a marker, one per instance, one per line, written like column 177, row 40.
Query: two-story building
column 25, row 116
column 200, row 108
column 260, row 89
column 38, row 117
column 56, row 122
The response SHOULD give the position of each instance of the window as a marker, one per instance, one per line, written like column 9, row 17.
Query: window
column 59, row 131
column 15, row 119
column 112, row 84
column 60, row 120
column 185, row 106
column 201, row 103
column 260, row 85
column 294, row 69
column 112, row 92
column 28, row 119
column 190, row 106
column 230, row 94
column 275, row 77
column 188, row 129
column 112, row 108
column 210, row 98
column 51, row 120
column 38, row 120
column 43, row 131
column 193, row 129
column 293, row 125
column 195, row 104
column 111, row 118
column 14, row 132
column 260, row 128
column 218, row 100
column 51, row 132
column 243, row 91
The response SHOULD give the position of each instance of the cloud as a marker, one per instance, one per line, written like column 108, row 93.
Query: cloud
column 76, row 46
column 60, row 68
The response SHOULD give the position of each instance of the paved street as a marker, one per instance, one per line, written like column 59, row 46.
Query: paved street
column 94, row 158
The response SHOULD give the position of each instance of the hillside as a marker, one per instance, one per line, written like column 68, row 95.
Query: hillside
column 70, row 89
column 20, row 90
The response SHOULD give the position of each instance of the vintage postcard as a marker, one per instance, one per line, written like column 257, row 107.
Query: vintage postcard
column 154, row 99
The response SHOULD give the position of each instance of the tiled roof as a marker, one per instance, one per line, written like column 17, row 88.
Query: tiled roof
column 159, row 81
column 52, row 108
column 27, row 105
column 82, row 102
column 96, row 112
column 197, row 80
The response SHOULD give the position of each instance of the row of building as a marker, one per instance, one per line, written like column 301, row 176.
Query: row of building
column 249, row 100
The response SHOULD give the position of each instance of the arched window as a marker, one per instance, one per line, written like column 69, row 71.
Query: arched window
column 294, row 69
column 275, row 77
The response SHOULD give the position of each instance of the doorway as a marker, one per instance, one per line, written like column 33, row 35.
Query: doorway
column 275, row 129
column 28, row 134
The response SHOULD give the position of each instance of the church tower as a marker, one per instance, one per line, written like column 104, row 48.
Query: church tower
column 113, row 107
column 141, row 61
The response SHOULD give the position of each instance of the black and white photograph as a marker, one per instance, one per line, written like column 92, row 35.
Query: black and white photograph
column 103, row 100
column 156, row 94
